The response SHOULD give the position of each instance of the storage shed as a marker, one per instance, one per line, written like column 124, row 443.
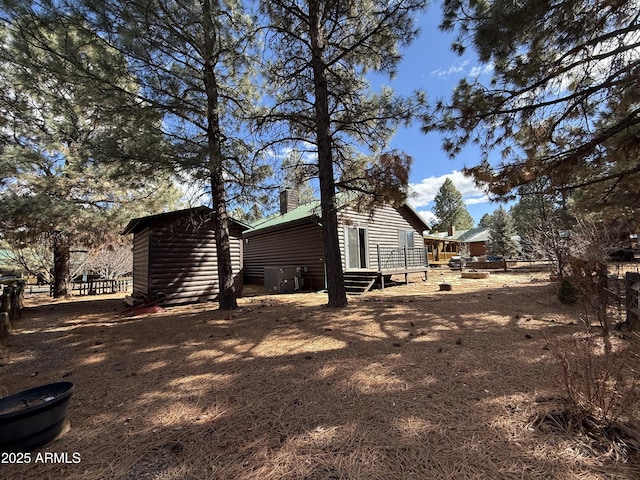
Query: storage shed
column 174, row 256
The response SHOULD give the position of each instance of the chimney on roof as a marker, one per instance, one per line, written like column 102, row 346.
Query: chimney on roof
column 451, row 230
column 288, row 200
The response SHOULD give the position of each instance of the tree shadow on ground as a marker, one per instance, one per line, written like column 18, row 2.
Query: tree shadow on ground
column 397, row 385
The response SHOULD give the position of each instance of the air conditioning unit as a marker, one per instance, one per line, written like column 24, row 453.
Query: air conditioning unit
column 283, row 279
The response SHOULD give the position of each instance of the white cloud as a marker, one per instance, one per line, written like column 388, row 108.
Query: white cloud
column 481, row 70
column 453, row 69
column 424, row 192
column 428, row 217
column 476, row 200
column 463, row 69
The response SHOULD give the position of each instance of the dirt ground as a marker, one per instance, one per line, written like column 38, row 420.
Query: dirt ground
column 406, row 383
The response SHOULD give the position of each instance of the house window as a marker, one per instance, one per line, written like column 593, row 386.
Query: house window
column 356, row 247
column 405, row 238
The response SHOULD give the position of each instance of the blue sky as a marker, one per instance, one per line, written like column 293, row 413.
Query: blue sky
column 430, row 65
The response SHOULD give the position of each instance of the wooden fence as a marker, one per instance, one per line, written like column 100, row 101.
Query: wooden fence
column 625, row 291
column 10, row 306
column 99, row 287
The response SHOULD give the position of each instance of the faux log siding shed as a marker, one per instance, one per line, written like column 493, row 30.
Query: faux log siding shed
column 174, row 256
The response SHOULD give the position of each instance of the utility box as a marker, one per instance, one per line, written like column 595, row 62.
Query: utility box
column 283, row 279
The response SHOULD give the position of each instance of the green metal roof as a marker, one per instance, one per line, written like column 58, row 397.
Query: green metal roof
column 311, row 210
column 479, row 234
column 307, row 210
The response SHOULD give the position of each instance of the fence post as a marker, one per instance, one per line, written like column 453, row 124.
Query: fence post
column 5, row 320
column 10, row 308
column 632, row 300
column 5, row 326
column 6, row 300
column 16, row 301
column 406, row 275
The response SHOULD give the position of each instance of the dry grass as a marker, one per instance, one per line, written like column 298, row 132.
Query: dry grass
column 409, row 382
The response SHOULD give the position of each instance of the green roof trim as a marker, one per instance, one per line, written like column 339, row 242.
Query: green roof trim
column 307, row 210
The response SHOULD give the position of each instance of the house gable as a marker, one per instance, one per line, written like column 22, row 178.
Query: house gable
column 387, row 227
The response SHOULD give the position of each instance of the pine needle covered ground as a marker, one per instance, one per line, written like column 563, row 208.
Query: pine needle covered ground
column 409, row 382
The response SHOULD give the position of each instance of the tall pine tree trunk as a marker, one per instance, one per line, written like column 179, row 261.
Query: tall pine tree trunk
column 333, row 260
column 61, row 260
column 226, row 296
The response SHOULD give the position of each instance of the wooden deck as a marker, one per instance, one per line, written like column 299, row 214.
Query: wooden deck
column 403, row 271
column 361, row 281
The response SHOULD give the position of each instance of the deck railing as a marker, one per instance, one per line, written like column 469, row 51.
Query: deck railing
column 442, row 256
column 393, row 258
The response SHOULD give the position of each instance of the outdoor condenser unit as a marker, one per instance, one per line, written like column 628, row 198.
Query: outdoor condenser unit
column 282, row 279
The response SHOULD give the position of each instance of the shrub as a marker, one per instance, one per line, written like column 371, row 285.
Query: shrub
column 567, row 292
column 602, row 393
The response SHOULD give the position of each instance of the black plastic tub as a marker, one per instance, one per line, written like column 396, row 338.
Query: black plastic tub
column 32, row 418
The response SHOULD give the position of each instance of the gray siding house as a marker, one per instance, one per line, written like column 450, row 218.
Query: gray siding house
column 174, row 256
column 388, row 241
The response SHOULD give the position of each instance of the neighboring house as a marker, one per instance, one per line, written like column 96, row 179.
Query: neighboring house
column 440, row 248
column 388, row 241
column 475, row 238
column 174, row 256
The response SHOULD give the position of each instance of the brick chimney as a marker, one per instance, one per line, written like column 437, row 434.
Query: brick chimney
column 288, row 200
column 451, row 230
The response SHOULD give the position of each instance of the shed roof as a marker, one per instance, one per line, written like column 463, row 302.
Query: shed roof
column 138, row 224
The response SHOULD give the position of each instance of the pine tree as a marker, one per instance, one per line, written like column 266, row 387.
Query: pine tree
column 485, row 221
column 450, row 209
column 194, row 60
column 542, row 220
column 562, row 102
column 74, row 158
column 501, row 234
column 536, row 212
column 320, row 51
